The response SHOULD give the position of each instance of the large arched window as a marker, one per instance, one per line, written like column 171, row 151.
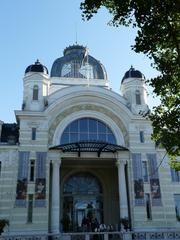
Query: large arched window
column 82, row 183
column 35, row 92
column 87, row 129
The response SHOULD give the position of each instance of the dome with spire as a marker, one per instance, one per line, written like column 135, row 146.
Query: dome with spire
column 77, row 63
column 132, row 73
column 36, row 67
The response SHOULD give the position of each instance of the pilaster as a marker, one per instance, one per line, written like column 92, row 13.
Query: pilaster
column 123, row 204
column 55, row 201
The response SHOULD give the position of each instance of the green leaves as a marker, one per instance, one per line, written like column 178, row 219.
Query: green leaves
column 3, row 223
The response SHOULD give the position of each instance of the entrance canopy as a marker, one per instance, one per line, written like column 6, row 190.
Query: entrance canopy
column 89, row 146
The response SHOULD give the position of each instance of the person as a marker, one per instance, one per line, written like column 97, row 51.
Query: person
column 95, row 227
column 102, row 227
column 110, row 229
column 85, row 224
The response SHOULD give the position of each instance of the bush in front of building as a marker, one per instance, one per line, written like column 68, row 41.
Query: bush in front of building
column 3, row 224
column 125, row 223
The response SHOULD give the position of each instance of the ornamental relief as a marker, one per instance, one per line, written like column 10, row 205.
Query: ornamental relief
column 87, row 107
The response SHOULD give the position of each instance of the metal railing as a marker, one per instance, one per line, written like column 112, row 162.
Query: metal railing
column 164, row 235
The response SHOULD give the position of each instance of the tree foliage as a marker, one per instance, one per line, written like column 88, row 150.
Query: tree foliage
column 158, row 37
column 3, row 224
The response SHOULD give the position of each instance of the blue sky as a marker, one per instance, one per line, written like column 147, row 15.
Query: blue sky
column 43, row 28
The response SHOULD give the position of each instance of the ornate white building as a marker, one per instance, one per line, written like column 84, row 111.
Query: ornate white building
column 81, row 150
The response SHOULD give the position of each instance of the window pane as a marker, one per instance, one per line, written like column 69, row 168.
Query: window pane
column 83, row 125
column 82, row 183
column 65, row 138
column 33, row 134
column 141, row 136
column 83, row 136
column 92, row 136
column 31, row 177
column 138, row 98
column 66, row 69
column 108, row 130
column 92, row 126
column 67, row 129
column 73, row 137
column 175, row 175
column 111, row 139
column 74, row 126
column 177, row 206
column 102, row 137
column 35, row 93
column 145, row 171
column 101, row 127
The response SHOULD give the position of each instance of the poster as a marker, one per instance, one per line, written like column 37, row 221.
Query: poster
column 40, row 184
column 21, row 189
column 154, row 180
column 138, row 179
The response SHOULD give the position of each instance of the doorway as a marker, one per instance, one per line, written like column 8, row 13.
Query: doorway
column 82, row 201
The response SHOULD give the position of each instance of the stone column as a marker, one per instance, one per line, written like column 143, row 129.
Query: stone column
column 55, row 202
column 123, row 205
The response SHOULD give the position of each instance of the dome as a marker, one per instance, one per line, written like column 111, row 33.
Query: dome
column 77, row 63
column 36, row 67
column 132, row 73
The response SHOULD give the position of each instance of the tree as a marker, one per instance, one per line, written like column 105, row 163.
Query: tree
column 125, row 223
column 158, row 37
column 3, row 224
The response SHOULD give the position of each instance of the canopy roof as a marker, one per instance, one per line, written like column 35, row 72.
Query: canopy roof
column 89, row 146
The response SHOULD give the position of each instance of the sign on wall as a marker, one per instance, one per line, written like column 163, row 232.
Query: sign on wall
column 154, row 180
column 21, row 189
column 40, row 184
column 138, row 179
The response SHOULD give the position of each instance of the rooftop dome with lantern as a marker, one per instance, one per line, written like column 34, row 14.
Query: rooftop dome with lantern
column 77, row 63
column 132, row 73
column 36, row 67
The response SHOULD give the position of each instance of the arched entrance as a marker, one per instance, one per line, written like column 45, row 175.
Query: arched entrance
column 82, row 201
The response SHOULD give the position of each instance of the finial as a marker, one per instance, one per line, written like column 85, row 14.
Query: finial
column 37, row 61
column 131, row 68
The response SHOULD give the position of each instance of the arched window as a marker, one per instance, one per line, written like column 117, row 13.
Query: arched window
column 82, row 183
column 87, row 129
column 138, row 97
column 35, row 92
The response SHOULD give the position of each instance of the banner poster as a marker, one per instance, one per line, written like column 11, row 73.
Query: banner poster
column 21, row 189
column 40, row 184
column 138, row 179
column 154, row 180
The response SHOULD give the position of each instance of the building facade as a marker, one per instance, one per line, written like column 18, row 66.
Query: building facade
column 79, row 150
